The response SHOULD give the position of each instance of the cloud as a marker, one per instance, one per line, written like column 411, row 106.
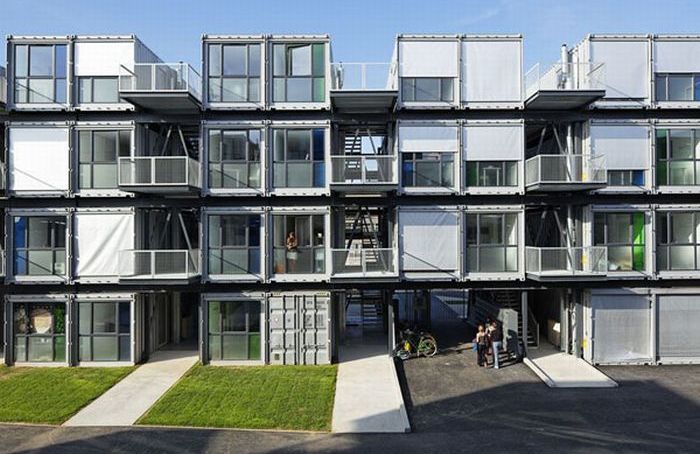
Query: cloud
column 500, row 7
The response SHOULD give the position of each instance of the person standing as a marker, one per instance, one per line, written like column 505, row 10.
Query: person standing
column 496, row 337
column 292, row 252
column 481, row 346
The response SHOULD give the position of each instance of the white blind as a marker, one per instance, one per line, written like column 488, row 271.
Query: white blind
column 429, row 240
column 98, row 238
column 103, row 58
column 677, row 56
column 626, row 68
column 679, row 318
column 429, row 58
column 621, row 328
column 428, row 138
column 493, row 142
column 491, row 71
column 625, row 147
column 39, row 159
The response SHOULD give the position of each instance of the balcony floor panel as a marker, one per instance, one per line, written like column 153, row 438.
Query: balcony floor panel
column 562, row 99
column 563, row 275
column 180, row 101
column 169, row 189
column 364, row 100
column 563, row 187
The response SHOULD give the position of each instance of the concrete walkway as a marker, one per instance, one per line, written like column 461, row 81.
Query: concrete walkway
column 129, row 399
column 368, row 395
column 561, row 370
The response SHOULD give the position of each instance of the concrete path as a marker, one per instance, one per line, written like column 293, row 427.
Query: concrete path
column 368, row 395
column 129, row 399
column 560, row 370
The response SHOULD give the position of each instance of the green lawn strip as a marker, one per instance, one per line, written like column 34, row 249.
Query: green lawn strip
column 51, row 395
column 249, row 397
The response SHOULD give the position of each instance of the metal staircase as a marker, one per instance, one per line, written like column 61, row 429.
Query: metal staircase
column 510, row 299
column 371, row 309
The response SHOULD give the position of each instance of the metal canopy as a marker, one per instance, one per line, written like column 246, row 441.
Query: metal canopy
column 562, row 99
column 180, row 101
column 364, row 100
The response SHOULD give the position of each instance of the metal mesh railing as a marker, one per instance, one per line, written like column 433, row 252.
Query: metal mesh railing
column 367, row 169
column 566, row 168
column 572, row 76
column 158, row 171
column 161, row 77
column 556, row 260
column 158, row 264
column 363, row 76
column 361, row 261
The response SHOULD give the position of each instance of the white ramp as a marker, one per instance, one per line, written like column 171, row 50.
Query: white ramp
column 368, row 395
column 561, row 370
column 129, row 399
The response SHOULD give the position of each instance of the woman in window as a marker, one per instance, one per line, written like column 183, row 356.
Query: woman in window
column 292, row 253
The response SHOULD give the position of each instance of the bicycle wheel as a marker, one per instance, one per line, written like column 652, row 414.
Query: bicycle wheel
column 427, row 347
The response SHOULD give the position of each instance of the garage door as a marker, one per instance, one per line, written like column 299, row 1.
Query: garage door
column 621, row 329
column 679, row 327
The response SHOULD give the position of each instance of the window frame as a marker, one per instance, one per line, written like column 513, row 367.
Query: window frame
column 409, row 86
column 415, row 158
column 315, row 164
column 506, row 168
column 52, row 248
column 661, row 90
column 316, row 76
column 477, row 246
column 215, row 82
column 626, row 244
column 53, row 335
column 627, row 177
column 317, row 251
column 218, row 334
column 54, row 77
column 91, row 81
column 665, row 245
column 665, row 160
column 92, row 163
column 218, row 165
column 118, row 334
column 250, row 249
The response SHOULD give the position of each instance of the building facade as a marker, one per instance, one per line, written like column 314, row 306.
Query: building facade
column 255, row 208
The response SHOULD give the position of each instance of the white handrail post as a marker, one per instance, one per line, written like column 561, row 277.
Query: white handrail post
column 153, row 170
column 153, row 263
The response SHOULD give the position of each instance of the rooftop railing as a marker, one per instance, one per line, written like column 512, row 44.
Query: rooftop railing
column 566, row 169
column 363, row 261
column 364, row 169
column 363, row 76
column 161, row 78
column 572, row 76
column 566, row 261
column 159, row 171
column 158, row 264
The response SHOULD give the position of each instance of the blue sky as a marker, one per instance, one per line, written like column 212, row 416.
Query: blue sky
column 361, row 30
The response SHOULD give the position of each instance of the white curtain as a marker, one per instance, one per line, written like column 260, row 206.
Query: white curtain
column 98, row 239
column 429, row 240
column 677, row 56
column 493, row 142
column 626, row 67
column 625, row 147
column 621, row 329
column 679, row 326
column 39, row 159
column 491, row 71
column 429, row 58
column 428, row 138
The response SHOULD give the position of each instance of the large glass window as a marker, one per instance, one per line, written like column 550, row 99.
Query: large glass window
column 427, row 89
column 299, row 244
column 98, row 152
column 40, row 73
column 427, row 169
column 40, row 332
column 299, row 72
column 299, row 158
column 623, row 235
column 95, row 90
column 40, row 245
column 234, row 72
column 104, row 331
column 678, row 240
column 234, row 244
column 677, row 87
column 234, row 158
column 492, row 242
column 678, row 157
column 234, row 330
column 492, row 173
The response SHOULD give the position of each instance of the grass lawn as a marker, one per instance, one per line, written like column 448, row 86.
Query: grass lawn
column 51, row 395
column 264, row 397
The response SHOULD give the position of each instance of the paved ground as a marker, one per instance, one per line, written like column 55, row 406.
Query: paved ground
column 560, row 370
column 129, row 399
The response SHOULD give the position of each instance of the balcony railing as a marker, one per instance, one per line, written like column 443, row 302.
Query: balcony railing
column 360, row 262
column 366, row 169
column 566, row 261
column 161, row 78
column 566, row 169
column 363, row 76
column 159, row 171
column 578, row 76
column 158, row 264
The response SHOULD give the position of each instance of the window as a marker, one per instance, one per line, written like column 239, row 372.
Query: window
column 40, row 332
column 234, row 72
column 299, row 72
column 678, row 157
column 234, row 330
column 424, row 89
column 299, row 158
column 492, row 242
column 626, row 177
column 298, row 246
column 39, row 245
column 492, row 173
column 677, row 87
column 98, row 152
column 234, row 158
column 427, row 169
column 104, row 331
column 94, row 90
column 678, row 238
column 234, row 244
column 623, row 235
column 40, row 73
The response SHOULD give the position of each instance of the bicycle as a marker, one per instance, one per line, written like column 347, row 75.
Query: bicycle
column 414, row 344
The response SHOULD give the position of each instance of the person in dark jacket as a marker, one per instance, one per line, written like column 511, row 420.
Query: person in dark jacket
column 496, row 338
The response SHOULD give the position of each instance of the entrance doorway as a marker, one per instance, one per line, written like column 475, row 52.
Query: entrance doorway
column 171, row 321
column 366, row 320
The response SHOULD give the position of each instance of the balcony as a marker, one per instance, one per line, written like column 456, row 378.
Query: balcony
column 363, row 263
column 564, row 87
column 543, row 263
column 159, row 174
column 163, row 264
column 565, row 172
column 161, row 86
column 363, row 173
column 3, row 87
column 363, row 87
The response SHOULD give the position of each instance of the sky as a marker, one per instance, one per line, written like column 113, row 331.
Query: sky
column 361, row 30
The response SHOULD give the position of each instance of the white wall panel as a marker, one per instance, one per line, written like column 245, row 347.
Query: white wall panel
column 429, row 240
column 624, row 147
column 676, row 56
column 102, row 58
column 491, row 71
column 429, row 58
column 493, row 142
column 679, row 326
column 428, row 138
column 626, row 67
column 38, row 159
column 98, row 239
